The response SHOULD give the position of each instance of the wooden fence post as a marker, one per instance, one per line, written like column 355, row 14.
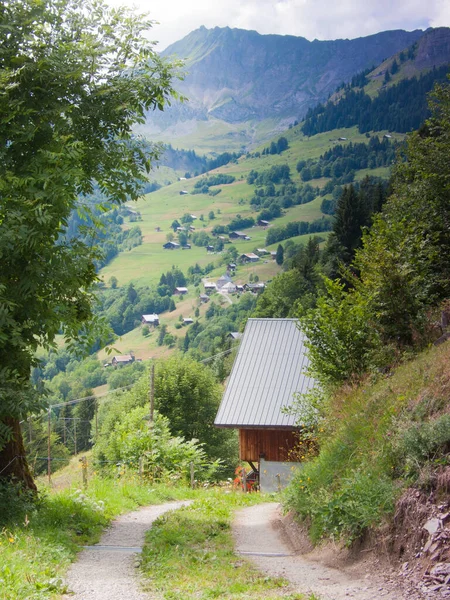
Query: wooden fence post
column 84, row 466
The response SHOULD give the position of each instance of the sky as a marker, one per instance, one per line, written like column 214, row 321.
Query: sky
column 312, row 19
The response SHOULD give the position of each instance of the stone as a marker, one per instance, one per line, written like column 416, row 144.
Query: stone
column 433, row 525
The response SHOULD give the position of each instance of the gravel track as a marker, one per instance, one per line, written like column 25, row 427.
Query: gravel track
column 107, row 571
column 257, row 537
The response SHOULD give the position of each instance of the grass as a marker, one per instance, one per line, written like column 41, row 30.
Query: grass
column 38, row 540
column 376, row 439
column 189, row 555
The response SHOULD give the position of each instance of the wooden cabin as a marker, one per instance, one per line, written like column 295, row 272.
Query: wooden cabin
column 268, row 370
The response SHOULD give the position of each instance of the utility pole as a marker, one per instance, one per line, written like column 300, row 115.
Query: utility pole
column 49, row 458
column 152, row 393
column 96, row 419
column 75, row 434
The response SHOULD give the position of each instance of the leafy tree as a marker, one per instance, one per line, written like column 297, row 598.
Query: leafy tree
column 188, row 395
column 175, row 225
column 75, row 77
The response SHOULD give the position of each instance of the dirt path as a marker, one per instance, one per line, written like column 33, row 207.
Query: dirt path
column 107, row 571
column 260, row 541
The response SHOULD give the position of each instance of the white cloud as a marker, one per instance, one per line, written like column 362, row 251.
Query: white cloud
column 321, row 19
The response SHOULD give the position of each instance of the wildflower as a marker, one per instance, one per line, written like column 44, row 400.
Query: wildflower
column 11, row 540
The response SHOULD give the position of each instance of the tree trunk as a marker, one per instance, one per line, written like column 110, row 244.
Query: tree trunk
column 13, row 463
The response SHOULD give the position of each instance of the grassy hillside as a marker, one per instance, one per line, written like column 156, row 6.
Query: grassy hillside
column 376, row 440
column 160, row 208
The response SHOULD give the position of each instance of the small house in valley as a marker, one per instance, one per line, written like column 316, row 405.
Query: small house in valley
column 210, row 287
column 171, row 245
column 237, row 235
column 269, row 369
column 180, row 291
column 122, row 359
column 188, row 321
column 249, row 257
column 151, row 320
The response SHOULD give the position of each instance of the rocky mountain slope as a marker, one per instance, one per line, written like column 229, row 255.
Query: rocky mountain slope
column 236, row 75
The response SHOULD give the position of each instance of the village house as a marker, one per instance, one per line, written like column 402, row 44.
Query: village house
column 204, row 298
column 263, row 223
column 262, row 251
column 171, row 246
column 122, row 359
column 269, row 369
column 228, row 288
column 210, row 287
column 180, row 291
column 237, row 235
column 234, row 335
column 249, row 257
column 255, row 288
column 151, row 320
column 222, row 281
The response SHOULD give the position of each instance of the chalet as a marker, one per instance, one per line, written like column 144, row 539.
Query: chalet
column 204, row 298
column 269, row 369
column 171, row 246
column 261, row 251
column 234, row 335
column 237, row 235
column 193, row 217
column 180, row 291
column 152, row 320
column 249, row 257
column 188, row 321
column 209, row 248
column 123, row 359
column 263, row 223
column 210, row 287
column 256, row 288
column 231, row 266
column 184, row 192
column 228, row 288
column 222, row 281
column 186, row 247
column 273, row 254
column 240, row 288
column 191, row 228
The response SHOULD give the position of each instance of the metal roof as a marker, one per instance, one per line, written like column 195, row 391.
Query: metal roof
column 269, row 368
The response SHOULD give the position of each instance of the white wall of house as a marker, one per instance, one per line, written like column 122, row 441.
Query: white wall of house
column 274, row 476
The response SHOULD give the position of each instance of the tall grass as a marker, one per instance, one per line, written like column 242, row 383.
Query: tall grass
column 377, row 439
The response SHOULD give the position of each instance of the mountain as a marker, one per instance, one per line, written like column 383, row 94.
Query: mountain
column 237, row 76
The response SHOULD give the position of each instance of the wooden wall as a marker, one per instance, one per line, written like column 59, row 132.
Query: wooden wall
column 274, row 444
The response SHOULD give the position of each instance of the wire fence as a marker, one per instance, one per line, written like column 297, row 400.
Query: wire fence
column 77, row 434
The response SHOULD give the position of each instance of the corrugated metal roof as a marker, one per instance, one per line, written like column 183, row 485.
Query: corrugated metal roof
column 269, row 368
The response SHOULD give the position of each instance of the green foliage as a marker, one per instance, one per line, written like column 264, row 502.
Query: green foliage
column 164, row 457
column 401, row 107
column 415, row 444
column 187, row 393
column 342, row 341
column 294, row 228
column 83, row 63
